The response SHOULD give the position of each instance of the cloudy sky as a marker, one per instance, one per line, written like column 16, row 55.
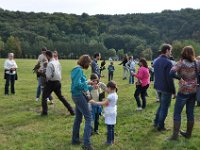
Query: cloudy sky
column 98, row 6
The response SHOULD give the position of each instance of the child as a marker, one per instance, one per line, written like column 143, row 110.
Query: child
column 110, row 110
column 131, row 66
column 111, row 70
column 95, row 93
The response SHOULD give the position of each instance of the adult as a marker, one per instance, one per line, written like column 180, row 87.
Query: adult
column 42, row 59
column 143, row 77
column 10, row 67
column 164, row 84
column 53, row 76
column 131, row 67
column 95, row 66
column 185, row 71
column 80, row 85
column 125, row 69
column 55, row 55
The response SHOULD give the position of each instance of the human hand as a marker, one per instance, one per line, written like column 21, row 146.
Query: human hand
column 183, row 82
column 92, row 101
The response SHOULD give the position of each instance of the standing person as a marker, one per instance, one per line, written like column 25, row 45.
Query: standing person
column 125, row 69
column 151, row 70
column 198, row 103
column 131, row 66
column 185, row 71
column 53, row 76
column 95, row 93
column 80, row 85
column 143, row 83
column 95, row 66
column 111, row 70
column 55, row 55
column 10, row 67
column 41, row 60
column 164, row 84
column 110, row 110
column 102, row 68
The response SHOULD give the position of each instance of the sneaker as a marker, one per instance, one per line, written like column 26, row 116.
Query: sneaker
column 139, row 109
column 87, row 147
column 37, row 99
column 157, row 100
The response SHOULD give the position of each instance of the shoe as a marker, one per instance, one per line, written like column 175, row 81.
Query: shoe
column 87, row 147
column 37, row 99
column 157, row 100
column 72, row 113
column 139, row 109
column 188, row 133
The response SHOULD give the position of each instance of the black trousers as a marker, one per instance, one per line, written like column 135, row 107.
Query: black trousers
column 54, row 86
column 110, row 76
column 10, row 79
column 143, row 91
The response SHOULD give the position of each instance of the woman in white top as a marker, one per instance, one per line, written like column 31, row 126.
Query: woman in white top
column 10, row 67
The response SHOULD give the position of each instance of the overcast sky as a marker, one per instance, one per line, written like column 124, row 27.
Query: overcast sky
column 98, row 6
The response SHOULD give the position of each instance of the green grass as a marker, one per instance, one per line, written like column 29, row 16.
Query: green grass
column 22, row 128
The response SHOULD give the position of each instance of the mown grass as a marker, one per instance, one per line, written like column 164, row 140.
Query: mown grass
column 22, row 128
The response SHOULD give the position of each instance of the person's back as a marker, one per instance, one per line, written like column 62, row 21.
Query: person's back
column 53, row 71
column 163, row 81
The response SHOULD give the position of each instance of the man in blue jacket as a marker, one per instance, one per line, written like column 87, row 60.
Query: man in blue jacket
column 164, row 84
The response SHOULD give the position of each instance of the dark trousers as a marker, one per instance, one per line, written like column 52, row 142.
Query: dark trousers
column 110, row 76
column 110, row 134
column 181, row 101
column 10, row 79
column 54, row 86
column 141, row 91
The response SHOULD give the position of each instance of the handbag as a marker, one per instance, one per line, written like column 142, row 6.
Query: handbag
column 198, row 83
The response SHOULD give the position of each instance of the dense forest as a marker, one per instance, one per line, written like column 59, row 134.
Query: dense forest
column 71, row 35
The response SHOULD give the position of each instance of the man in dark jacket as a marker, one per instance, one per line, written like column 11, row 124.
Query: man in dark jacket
column 164, row 84
column 95, row 66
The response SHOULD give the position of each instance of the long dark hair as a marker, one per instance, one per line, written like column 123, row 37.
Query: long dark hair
column 144, row 62
column 188, row 53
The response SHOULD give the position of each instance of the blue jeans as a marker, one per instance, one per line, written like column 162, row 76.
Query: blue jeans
column 38, row 88
column 131, row 78
column 165, row 101
column 110, row 134
column 81, row 110
column 181, row 101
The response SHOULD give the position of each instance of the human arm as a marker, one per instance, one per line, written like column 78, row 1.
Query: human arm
column 49, row 71
column 139, row 74
column 169, row 79
column 6, row 67
column 79, row 80
column 174, row 71
column 103, row 103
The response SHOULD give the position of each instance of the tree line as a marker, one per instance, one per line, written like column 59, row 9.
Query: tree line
column 71, row 35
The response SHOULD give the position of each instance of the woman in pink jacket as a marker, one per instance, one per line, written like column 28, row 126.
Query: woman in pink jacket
column 142, row 84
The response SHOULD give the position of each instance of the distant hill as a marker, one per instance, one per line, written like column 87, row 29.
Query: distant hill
column 73, row 35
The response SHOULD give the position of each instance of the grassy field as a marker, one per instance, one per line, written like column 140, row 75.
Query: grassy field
column 22, row 128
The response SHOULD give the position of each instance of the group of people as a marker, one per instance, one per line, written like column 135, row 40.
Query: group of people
column 89, row 94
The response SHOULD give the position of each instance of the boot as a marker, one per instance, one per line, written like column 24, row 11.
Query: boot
column 176, row 129
column 188, row 133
